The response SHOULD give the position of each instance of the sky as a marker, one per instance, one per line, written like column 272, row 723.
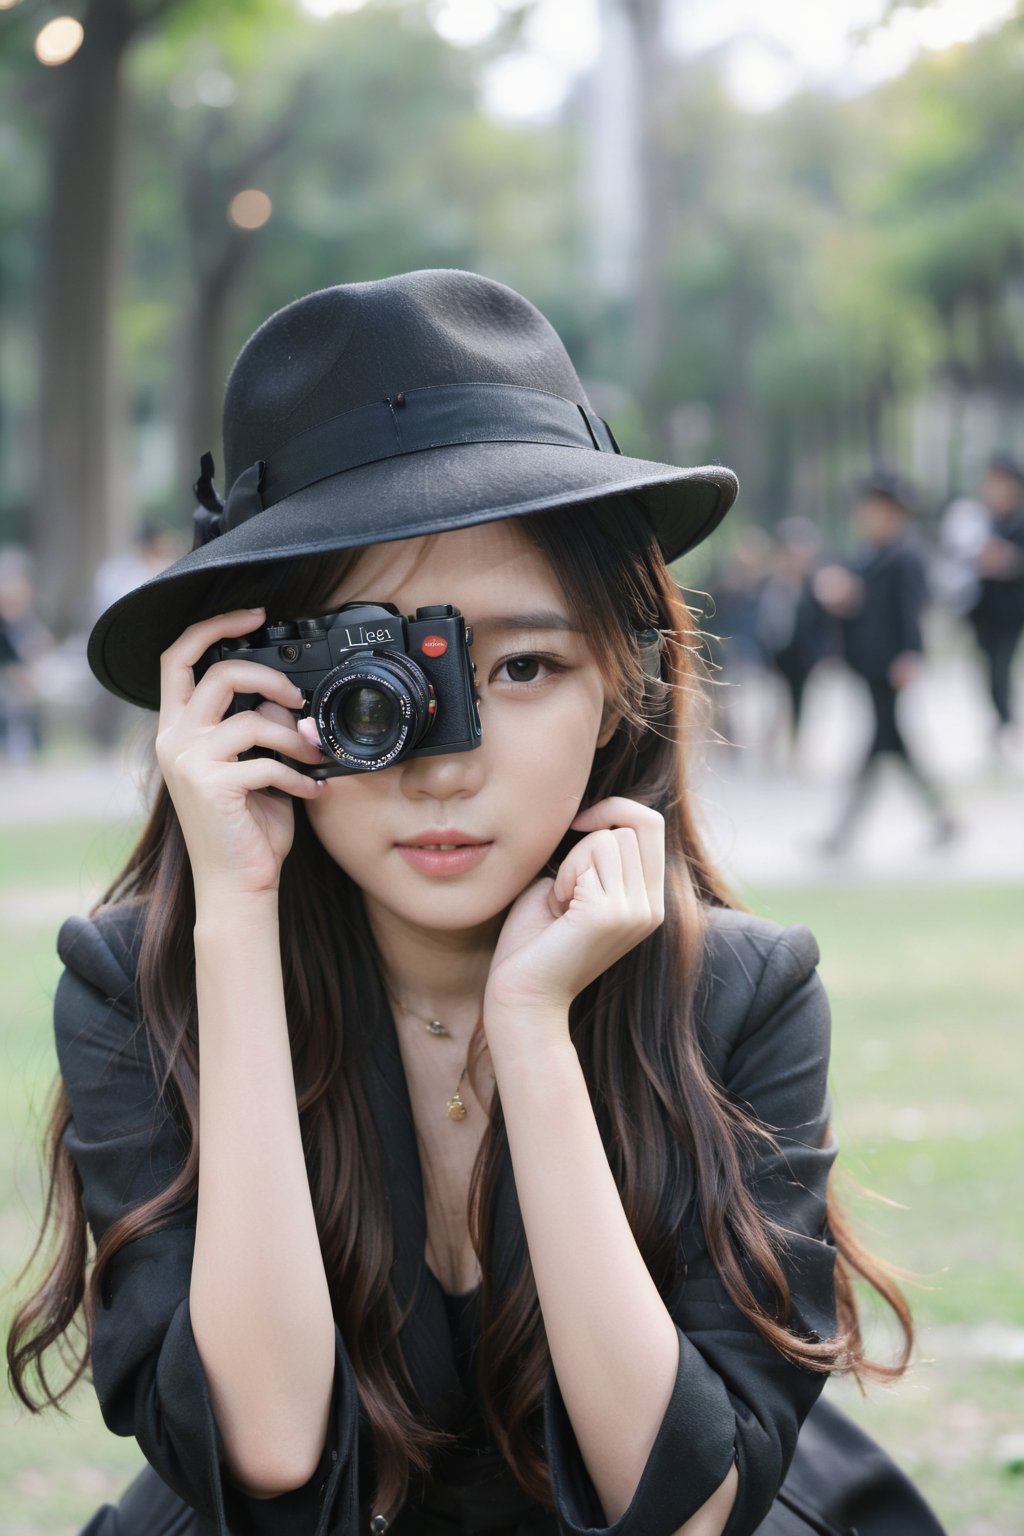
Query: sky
column 769, row 51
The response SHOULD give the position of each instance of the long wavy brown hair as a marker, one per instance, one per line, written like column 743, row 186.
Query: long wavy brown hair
column 671, row 1132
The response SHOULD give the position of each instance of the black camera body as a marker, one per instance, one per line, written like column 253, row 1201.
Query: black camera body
column 381, row 687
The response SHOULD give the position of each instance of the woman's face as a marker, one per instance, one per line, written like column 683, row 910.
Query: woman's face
column 448, row 842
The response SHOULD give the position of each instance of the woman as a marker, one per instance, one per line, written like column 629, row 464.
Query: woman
column 456, row 1155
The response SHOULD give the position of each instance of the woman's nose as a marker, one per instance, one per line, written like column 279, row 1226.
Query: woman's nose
column 451, row 775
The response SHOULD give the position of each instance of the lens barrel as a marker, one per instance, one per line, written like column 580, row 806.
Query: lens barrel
column 373, row 709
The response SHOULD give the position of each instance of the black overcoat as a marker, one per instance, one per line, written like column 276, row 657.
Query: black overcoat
column 764, row 1028
column 1000, row 602
column 888, row 623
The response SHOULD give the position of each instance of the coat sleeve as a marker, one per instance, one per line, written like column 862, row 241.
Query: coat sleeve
column 146, row 1368
column 736, row 1399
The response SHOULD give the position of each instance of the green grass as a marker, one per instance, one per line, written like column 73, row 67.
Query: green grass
column 927, row 1066
column 68, row 854
column 927, row 1063
column 55, row 1469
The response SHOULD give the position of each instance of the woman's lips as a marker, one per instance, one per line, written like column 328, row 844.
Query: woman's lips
column 445, row 855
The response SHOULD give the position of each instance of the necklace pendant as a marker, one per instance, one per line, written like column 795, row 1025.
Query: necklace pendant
column 455, row 1109
column 435, row 1027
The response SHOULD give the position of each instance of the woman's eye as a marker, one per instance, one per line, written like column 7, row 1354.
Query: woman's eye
column 526, row 669
column 523, row 669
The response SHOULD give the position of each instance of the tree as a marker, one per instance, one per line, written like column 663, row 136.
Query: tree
column 83, row 509
column 365, row 134
column 81, row 513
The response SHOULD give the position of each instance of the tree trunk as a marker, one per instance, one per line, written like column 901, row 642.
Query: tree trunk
column 79, row 516
column 218, row 253
column 649, row 312
column 201, row 370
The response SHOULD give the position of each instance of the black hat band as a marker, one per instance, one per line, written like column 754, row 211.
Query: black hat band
column 438, row 416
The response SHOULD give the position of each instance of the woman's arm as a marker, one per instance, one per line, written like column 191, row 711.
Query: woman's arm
column 128, row 1146
column 259, row 1300
column 614, row 1346
column 260, row 1306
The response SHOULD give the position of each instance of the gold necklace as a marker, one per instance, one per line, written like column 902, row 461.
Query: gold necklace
column 455, row 1109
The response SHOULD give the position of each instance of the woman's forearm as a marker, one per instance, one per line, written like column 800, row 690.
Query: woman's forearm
column 613, row 1343
column 260, row 1306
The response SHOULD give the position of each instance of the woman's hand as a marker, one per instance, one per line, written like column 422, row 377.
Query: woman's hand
column 561, row 934
column 237, row 837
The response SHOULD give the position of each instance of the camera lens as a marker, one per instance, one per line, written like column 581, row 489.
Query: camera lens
column 373, row 709
column 367, row 716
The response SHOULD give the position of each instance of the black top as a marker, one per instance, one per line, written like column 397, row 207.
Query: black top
column 888, row 623
column 795, row 631
column 1000, row 600
column 764, row 1028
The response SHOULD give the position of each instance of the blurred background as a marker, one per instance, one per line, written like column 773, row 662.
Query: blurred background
column 790, row 238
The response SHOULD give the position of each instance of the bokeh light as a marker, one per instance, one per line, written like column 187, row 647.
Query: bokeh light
column 59, row 40
column 250, row 208
column 214, row 88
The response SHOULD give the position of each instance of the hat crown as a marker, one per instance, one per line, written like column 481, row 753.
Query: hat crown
column 348, row 346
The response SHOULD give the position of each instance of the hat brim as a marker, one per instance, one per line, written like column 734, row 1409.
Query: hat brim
column 397, row 498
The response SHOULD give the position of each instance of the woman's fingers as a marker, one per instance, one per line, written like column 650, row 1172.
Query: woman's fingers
column 212, row 696
column 634, row 878
column 643, row 824
column 605, row 858
column 252, row 728
column 307, row 729
column 607, row 896
column 596, row 854
column 177, row 679
column 270, row 773
column 613, row 858
column 199, row 723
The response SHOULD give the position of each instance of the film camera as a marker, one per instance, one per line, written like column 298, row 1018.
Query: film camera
column 381, row 687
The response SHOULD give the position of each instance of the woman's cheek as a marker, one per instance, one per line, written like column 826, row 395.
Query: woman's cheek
column 548, row 758
column 344, row 819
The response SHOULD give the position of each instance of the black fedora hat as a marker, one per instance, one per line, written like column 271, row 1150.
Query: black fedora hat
column 378, row 411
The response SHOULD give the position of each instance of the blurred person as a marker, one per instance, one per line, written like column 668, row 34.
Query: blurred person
column 953, row 578
column 456, row 1149
column 879, row 598
column 24, row 642
column 997, row 612
column 795, row 631
column 152, row 551
column 735, row 589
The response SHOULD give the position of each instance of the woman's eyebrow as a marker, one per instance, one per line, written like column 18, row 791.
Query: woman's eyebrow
column 517, row 622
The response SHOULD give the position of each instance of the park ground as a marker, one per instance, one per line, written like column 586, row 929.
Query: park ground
column 921, row 955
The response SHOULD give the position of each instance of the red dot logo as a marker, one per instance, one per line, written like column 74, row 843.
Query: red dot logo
column 433, row 645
